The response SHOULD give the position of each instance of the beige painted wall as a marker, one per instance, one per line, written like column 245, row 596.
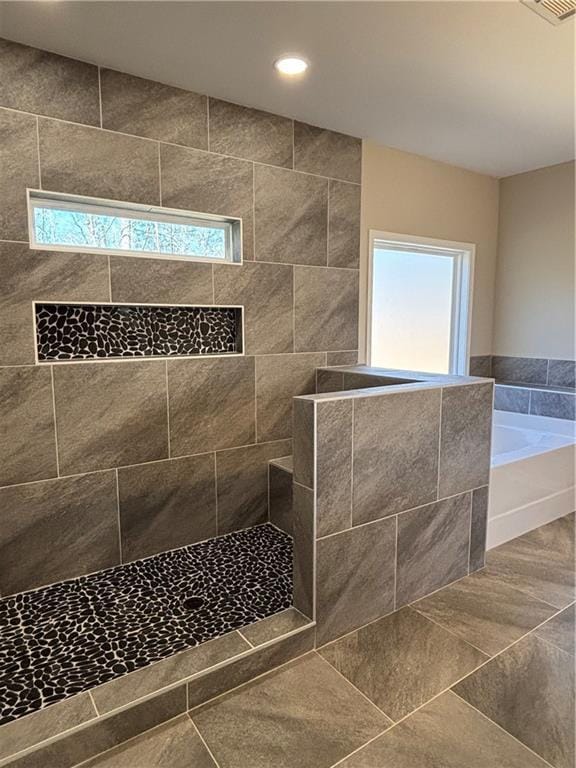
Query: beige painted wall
column 535, row 303
column 414, row 195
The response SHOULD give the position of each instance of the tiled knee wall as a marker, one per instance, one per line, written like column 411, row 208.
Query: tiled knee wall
column 393, row 489
column 530, row 385
column 104, row 463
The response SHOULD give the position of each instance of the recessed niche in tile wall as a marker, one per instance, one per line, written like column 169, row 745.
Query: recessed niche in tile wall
column 111, row 331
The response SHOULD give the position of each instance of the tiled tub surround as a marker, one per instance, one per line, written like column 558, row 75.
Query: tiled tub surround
column 535, row 386
column 391, row 482
column 181, row 447
column 108, row 331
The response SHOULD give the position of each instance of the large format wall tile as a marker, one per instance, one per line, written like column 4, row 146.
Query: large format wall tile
column 167, row 504
column 402, row 661
column 279, row 378
column 528, row 370
column 110, row 415
column 562, row 373
column 85, row 161
column 433, row 737
column 47, row 84
column 529, row 691
column 557, row 405
column 333, row 466
column 266, row 292
column 326, row 152
column 304, row 440
column 326, row 309
column 242, row 481
column 206, row 183
column 250, row 133
column 154, row 110
column 280, row 497
column 304, row 551
column 465, row 438
column 160, row 281
column 478, row 528
column 291, row 211
column 57, row 529
column 27, row 275
column 343, row 224
column 481, row 365
column 433, row 544
column 19, row 170
column 211, row 404
column 27, row 437
column 513, row 399
column 395, row 453
column 343, row 358
column 354, row 578
column 301, row 716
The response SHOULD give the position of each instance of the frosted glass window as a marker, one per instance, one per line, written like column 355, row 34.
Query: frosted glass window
column 419, row 307
column 100, row 226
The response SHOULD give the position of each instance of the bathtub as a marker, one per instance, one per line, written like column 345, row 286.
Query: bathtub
column 532, row 479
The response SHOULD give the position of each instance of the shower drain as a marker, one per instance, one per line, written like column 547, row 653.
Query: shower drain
column 193, row 602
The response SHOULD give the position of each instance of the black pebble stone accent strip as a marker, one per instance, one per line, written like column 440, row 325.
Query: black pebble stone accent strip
column 69, row 637
column 100, row 331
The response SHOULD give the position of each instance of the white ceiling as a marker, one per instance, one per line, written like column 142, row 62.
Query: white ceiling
column 484, row 85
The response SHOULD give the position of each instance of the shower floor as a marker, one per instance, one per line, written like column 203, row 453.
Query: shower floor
column 69, row 637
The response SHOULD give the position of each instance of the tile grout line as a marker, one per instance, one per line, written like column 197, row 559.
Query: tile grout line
column 243, row 636
column 167, row 409
column 118, row 517
column 352, row 464
column 456, row 682
column 439, row 445
column 38, row 155
column 98, row 713
column 471, row 509
column 396, row 530
column 361, row 747
column 100, row 96
column 450, row 631
column 203, row 740
column 508, row 733
column 216, row 492
column 53, row 388
column 141, row 464
column 351, row 684
column 184, row 147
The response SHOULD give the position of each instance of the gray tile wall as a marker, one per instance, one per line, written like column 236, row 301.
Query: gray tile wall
column 109, row 462
column 400, row 493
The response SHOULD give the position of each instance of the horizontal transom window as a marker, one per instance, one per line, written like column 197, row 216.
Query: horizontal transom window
column 88, row 224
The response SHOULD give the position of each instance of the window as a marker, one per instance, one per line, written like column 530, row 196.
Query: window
column 419, row 303
column 73, row 223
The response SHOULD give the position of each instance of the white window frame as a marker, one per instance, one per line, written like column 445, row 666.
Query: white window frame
column 461, row 320
column 38, row 198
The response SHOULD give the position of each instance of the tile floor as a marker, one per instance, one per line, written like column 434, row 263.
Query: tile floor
column 478, row 675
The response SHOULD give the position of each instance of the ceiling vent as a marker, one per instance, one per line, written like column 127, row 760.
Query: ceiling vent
column 554, row 11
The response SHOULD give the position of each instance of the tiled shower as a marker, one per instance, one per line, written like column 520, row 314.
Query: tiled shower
column 158, row 544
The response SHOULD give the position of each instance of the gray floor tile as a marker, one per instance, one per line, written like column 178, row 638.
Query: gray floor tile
column 529, row 691
column 446, row 733
column 485, row 611
column 560, row 630
column 173, row 745
column 301, row 716
column 402, row 661
column 540, row 562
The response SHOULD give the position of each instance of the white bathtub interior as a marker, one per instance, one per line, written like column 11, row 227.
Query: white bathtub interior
column 532, row 480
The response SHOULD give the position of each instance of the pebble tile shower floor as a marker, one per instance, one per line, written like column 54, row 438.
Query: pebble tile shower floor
column 69, row 637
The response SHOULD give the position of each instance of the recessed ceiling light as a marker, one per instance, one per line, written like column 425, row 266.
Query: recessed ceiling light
column 291, row 65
